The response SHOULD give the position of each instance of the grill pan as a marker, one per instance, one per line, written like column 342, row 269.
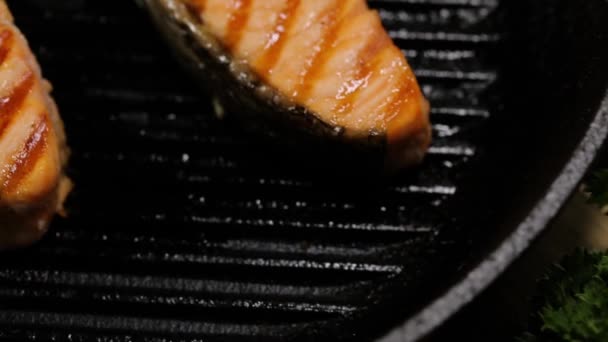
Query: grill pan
column 182, row 230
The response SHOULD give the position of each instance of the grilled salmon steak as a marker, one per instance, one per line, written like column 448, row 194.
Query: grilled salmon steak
column 326, row 66
column 33, row 149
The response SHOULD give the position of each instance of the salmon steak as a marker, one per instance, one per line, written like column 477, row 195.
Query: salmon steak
column 323, row 69
column 33, row 151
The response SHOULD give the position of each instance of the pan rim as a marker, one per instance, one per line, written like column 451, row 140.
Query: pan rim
column 486, row 271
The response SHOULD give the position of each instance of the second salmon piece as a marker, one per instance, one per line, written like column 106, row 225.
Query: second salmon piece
column 325, row 70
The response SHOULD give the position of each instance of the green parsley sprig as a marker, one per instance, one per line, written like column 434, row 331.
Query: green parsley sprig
column 597, row 186
column 574, row 306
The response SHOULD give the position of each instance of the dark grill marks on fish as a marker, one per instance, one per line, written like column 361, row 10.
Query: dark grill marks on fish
column 33, row 186
column 6, row 42
column 366, row 64
column 200, row 5
column 10, row 104
column 334, row 20
column 278, row 37
column 27, row 158
column 237, row 22
column 195, row 8
column 331, row 62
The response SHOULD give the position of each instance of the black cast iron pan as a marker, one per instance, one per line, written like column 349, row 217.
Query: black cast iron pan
column 175, row 235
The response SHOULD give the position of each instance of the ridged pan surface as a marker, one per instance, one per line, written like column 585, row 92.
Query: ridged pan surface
column 179, row 229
